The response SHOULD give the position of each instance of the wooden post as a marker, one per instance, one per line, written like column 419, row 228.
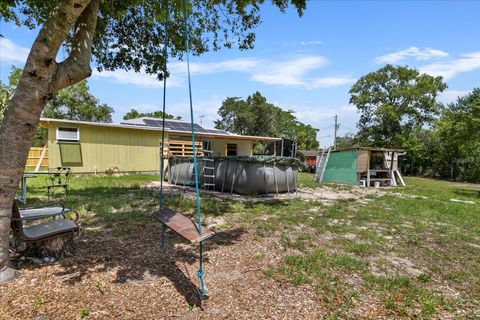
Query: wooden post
column 40, row 160
column 394, row 182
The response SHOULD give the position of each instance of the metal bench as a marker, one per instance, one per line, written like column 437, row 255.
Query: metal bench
column 47, row 210
column 43, row 230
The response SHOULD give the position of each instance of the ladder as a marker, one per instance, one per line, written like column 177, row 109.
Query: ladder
column 390, row 157
column 208, row 171
column 322, row 161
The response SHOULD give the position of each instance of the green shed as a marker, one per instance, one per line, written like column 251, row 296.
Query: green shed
column 360, row 166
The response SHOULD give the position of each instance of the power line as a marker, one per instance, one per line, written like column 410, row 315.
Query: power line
column 325, row 128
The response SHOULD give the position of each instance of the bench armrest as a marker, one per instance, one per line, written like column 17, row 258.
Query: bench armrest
column 47, row 204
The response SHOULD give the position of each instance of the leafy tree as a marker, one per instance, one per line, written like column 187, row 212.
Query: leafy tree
column 133, row 114
column 255, row 116
column 77, row 103
column 72, row 103
column 347, row 141
column 456, row 139
column 306, row 137
column 7, row 89
column 117, row 34
column 394, row 102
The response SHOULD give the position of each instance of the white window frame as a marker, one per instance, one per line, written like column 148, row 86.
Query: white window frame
column 68, row 140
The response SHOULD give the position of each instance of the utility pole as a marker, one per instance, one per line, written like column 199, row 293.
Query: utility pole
column 201, row 118
column 335, row 128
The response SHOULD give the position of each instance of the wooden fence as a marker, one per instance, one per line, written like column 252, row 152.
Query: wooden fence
column 181, row 148
column 37, row 158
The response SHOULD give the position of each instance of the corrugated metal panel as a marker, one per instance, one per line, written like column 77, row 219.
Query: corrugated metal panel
column 342, row 167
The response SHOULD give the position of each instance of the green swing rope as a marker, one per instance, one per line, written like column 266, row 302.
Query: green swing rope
column 195, row 171
column 165, row 56
column 197, row 192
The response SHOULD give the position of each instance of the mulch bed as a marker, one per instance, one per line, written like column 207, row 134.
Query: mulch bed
column 132, row 278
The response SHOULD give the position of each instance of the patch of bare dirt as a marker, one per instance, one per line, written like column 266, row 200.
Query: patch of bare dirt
column 325, row 195
column 391, row 264
column 132, row 278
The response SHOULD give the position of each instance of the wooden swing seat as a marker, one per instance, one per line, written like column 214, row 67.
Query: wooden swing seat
column 183, row 226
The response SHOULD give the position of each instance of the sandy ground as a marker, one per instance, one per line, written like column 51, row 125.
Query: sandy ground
column 325, row 194
column 133, row 278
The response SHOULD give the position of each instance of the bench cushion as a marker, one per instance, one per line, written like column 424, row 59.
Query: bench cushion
column 50, row 228
column 32, row 214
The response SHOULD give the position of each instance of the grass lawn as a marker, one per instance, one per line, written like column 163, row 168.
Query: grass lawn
column 397, row 253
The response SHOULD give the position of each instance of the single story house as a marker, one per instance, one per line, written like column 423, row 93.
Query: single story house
column 135, row 145
column 309, row 158
column 363, row 166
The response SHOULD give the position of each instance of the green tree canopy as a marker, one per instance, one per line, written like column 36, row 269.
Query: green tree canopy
column 394, row 102
column 347, row 141
column 7, row 89
column 456, row 139
column 133, row 114
column 77, row 103
column 129, row 34
column 72, row 103
column 255, row 116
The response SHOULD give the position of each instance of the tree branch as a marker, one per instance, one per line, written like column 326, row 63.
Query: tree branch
column 50, row 38
column 77, row 66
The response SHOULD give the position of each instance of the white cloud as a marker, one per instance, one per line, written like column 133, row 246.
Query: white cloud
column 311, row 43
column 178, row 72
column 449, row 96
column 330, row 82
column 234, row 65
column 207, row 108
column 288, row 73
column 10, row 52
column 139, row 79
column 294, row 73
column 412, row 52
column 449, row 69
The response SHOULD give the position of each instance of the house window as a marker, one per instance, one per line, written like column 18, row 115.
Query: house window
column 68, row 134
column 231, row 149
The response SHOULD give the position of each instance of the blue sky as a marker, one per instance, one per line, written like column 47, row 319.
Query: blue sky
column 304, row 64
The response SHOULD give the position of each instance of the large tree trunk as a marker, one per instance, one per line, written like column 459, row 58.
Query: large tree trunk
column 42, row 77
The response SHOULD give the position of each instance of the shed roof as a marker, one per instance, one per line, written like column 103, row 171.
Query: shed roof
column 136, row 125
column 371, row 149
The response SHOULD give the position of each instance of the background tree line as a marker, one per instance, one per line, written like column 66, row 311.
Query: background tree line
column 398, row 108
column 257, row 117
